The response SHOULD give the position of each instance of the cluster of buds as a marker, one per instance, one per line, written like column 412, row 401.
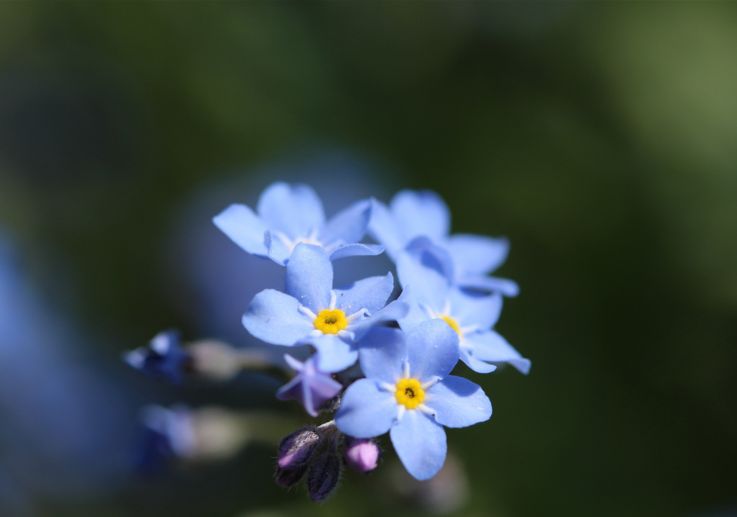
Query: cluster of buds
column 317, row 454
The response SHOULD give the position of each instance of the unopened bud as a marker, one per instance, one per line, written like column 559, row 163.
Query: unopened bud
column 296, row 449
column 361, row 455
column 323, row 476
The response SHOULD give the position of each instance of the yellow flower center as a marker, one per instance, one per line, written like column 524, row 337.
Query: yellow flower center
column 452, row 323
column 409, row 393
column 330, row 321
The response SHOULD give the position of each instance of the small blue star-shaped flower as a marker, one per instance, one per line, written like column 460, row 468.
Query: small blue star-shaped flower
column 312, row 312
column 430, row 295
column 163, row 357
column 468, row 259
column 408, row 391
column 311, row 387
column 288, row 215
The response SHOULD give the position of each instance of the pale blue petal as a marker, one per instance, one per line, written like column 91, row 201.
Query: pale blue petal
column 243, row 227
column 421, row 213
column 276, row 249
column 475, row 364
column 468, row 309
column 489, row 284
column 310, row 277
column 492, row 347
column 420, row 444
column 478, row 254
column 370, row 294
column 333, row 353
column 356, row 249
column 432, row 349
column 385, row 230
column 382, row 353
column 347, row 226
column 274, row 317
column 458, row 402
column 292, row 209
column 415, row 313
column 366, row 410
column 420, row 273
column 392, row 312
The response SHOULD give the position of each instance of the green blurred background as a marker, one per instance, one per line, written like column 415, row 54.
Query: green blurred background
column 601, row 139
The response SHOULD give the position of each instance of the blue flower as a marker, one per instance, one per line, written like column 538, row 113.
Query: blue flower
column 292, row 214
column 467, row 259
column 163, row 357
column 430, row 295
column 311, row 387
column 408, row 392
column 167, row 434
column 312, row 312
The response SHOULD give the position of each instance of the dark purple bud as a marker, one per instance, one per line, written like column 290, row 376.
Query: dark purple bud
column 361, row 455
column 296, row 449
column 287, row 478
column 323, row 476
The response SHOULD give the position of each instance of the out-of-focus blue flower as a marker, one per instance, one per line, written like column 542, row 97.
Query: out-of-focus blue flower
column 408, row 391
column 312, row 312
column 167, row 434
column 430, row 295
column 466, row 259
column 311, row 387
column 292, row 214
column 61, row 410
column 163, row 357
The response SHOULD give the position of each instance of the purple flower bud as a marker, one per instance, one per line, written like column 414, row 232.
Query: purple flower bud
column 361, row 455
column 323, row 475
column 287, row 478
column 296, row 449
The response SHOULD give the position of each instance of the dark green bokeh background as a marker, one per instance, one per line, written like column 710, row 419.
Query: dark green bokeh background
column 601, row 139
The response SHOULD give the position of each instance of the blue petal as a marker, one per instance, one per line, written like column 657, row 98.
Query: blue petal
column 370, row 294
column 392, row 312
column 432, row 349
column 366, row 410
column 490, row 346
column 277, row 249
column 333, row 354
column 483, row 311
column 274, row 317
column 458, row 402
column 385, row 230
column 292, row 209
column 421, row 213
column 475, row 364
column 478, row 254
column 415, row 313
column 382, row 353
column 356, row 249
column 420, row 274
column 349, row 225
column 310, row 277
column 243, row 227
column 489, row 284
column 420, row 444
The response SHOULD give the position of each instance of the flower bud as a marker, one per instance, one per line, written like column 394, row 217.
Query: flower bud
column 296, row 449
column 323, row 475
column 361, row 455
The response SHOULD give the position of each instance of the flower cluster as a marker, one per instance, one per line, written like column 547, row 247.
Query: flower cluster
column 382, row 354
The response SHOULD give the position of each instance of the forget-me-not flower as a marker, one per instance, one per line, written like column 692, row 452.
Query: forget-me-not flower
column 163, row 357
column 408, row 391
column 311, row 387
column 430, row 295
column 467, row 259
column 288, row 215
column 312, row 312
